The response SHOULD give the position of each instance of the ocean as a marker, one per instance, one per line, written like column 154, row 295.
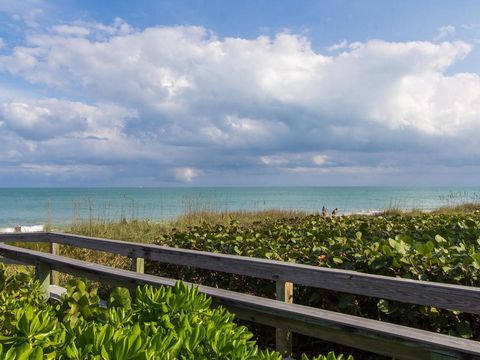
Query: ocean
column 34, row 207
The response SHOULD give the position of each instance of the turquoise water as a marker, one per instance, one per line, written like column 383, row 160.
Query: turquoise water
column 32, row 206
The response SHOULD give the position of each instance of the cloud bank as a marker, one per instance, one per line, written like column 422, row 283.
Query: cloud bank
column 181, row 104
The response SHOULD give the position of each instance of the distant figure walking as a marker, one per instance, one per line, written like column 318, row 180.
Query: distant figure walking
column 324, row 211
column 334, row 212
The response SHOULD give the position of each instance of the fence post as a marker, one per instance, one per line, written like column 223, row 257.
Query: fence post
column 42, row 274
column 138, row 265
column 283, row 337
column 54, row 250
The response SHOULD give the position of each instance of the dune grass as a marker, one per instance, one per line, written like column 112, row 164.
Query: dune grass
column 460, row 209
column 466, row 208
column 147, row 231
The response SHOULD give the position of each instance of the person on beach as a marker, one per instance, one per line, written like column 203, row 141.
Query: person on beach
column 334, row 212
column 324, row 211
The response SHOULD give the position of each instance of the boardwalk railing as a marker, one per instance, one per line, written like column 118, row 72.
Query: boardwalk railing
column 393, row 340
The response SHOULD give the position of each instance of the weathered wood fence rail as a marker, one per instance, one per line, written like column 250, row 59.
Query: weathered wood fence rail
column 379, row 337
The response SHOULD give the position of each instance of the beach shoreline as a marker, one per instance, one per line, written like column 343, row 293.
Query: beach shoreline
column 198, row 217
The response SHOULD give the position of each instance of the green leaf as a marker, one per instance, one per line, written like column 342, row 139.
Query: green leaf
column 337, row 260
column 386, row 307
column 439, row 239
column 120, row 297
column 37, row 354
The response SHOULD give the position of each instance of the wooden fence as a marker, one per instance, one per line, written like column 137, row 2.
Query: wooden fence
column 383, row 338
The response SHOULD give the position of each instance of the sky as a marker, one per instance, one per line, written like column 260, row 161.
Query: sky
column 244, row 93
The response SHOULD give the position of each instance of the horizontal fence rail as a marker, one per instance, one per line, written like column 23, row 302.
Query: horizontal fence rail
column 383, row 338
column 445, row 296
column 25, row 237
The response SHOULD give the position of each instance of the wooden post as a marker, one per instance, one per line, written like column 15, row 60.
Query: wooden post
column 42, row 274
column 54, row 250
column 283, row 337
column 138, row 265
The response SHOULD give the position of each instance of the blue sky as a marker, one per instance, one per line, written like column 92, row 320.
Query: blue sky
column 199, row 93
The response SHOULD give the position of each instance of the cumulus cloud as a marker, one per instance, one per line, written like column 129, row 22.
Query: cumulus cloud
column 54, row 118
column 182, row 72
column 233, row 103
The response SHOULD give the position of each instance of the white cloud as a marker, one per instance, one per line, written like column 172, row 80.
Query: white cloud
column 99, row 31
column 274, row 160
column 174, row 72
column 223, row 103
column 53, row 118
column 319, row 159
column 28, row 13
column 241, row 132
column 338, row 46
column 2, row 43
column 445, row 32
column 71, row 30
column 32, row 16
column 186, row 174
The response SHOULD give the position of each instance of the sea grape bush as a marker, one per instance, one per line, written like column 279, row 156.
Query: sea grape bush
column 164, row 323
column 434, row 247
column 431, row 247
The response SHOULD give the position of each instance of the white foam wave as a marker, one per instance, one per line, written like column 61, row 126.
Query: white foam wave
column 30, row 228
column 364, row 212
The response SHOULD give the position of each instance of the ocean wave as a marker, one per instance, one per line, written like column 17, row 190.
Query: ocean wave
column 27, row 228
column 363, row 212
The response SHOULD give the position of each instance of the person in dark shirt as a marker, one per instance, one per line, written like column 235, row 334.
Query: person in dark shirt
column 324, row 211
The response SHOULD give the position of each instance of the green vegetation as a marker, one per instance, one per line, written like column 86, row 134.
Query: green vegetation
column 162, row 323
column 441, row 246
column 462, row 208
column 434, row 247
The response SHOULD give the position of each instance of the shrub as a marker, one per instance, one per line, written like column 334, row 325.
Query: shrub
column 164, row 323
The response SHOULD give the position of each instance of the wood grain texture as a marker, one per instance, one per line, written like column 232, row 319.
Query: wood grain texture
column 7, row 261
column 375, row 336
column 25, row 237
column 138, row 265
column 446, row 296
column 42, row 274
column 55, row 250
column 283, row 336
